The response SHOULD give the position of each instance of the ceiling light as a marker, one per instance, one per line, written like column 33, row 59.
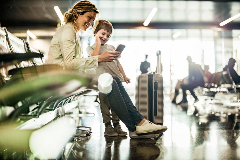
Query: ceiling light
column 229, row 20
column 176, row 35
column 31, row 34
column 150, row 16
column 59, row 13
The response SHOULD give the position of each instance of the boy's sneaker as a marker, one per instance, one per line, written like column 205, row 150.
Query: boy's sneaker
column 150, row 128
column 135, row 135
column 119, row 130
column 109, row 131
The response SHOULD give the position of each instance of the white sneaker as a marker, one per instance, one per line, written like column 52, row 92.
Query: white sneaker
column 135, row 135
column 150, row 128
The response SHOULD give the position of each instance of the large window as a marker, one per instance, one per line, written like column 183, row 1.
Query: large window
column 198, row 44
column 168, row 11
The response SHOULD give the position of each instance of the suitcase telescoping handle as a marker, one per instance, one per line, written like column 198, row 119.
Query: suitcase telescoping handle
column 159, row 66
column 155, row 97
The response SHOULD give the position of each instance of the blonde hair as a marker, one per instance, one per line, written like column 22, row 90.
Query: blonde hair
column 103, row 24
column 79, row 9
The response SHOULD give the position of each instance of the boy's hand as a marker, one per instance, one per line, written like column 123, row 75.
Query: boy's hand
column 126, row 79
column 98, row 41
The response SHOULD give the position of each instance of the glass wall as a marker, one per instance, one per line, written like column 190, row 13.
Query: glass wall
column 199, row 44
column 168, row 11
column 211, row 47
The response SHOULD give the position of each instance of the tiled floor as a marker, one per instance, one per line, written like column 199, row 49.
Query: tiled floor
column 209, row 133
column 203, row 137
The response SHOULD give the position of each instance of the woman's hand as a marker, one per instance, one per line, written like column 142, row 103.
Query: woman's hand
column 126, row 79
column 108, row 56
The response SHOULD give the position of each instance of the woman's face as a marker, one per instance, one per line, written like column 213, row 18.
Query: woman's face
column 86, row 20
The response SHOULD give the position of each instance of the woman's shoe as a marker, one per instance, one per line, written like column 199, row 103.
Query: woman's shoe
column 135, row 135
column 150, row 128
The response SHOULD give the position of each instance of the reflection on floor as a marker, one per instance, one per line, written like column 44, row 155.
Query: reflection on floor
column 189, row 136
column 195, row 132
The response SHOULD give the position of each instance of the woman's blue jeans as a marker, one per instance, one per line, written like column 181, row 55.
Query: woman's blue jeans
column 122, row 105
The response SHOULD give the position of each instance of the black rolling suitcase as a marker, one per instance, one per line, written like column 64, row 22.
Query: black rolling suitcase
column 149, row 94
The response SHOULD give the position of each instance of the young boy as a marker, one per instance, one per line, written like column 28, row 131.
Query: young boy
column 102, row 33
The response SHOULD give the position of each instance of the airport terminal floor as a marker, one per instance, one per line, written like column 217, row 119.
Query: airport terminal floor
column 207, row 130
column 193, row 134
column 49, row 105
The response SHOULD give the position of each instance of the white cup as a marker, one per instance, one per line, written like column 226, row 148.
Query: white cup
column 105, row 83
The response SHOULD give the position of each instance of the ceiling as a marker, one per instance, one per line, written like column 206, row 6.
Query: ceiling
column 18, row 15
column 31, row 12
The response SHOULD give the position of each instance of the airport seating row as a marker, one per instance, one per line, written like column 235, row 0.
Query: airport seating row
column 34, row 97
column 219, row 97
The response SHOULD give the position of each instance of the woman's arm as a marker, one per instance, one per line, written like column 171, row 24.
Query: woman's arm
column 127, row 80
column 70, row 49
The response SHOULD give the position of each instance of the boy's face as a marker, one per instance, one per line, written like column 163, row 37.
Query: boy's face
column 104, row 35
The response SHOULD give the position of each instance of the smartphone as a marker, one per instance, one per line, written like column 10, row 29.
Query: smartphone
column 120, row 48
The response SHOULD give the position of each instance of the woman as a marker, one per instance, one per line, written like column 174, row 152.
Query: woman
column 65, row 50
column 65, row 47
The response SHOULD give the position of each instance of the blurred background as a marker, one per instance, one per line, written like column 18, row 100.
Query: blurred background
column 178, row 29
column 206, row 130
